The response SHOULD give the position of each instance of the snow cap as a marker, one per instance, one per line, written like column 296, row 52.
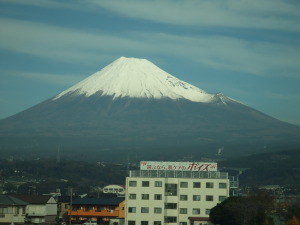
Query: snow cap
column 136, row 78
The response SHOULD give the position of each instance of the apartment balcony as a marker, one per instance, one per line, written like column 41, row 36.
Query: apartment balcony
column 179, row 174
column 95, row 213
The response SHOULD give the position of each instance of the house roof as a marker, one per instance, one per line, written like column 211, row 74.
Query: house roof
column 10, row 200
column 34, row 199
column 98, row 201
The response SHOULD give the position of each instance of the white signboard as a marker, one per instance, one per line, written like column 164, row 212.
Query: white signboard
column 183, row 166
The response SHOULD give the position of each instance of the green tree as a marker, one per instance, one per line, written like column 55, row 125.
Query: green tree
column 293, row 211
column 252, row 210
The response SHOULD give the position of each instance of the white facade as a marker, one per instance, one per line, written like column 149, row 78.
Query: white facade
column 12, row 214
column 175, row 197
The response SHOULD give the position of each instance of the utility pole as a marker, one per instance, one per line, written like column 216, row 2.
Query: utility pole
column 71, row 198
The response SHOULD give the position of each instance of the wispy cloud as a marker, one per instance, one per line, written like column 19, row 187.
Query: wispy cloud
column 244, row 14
column 285, row 97
column 43, row 3
column 218, row 52
column 57, row 79
column 267, row 14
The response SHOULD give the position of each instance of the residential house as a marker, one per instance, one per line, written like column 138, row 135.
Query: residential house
column 41, row 209
column 12, row 210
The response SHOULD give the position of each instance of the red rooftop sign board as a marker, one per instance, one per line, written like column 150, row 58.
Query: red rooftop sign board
column 182, row 166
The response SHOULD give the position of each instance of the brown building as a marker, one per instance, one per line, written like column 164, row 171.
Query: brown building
column 98, row 210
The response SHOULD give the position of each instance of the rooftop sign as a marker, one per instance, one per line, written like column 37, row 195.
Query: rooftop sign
column 182, row 166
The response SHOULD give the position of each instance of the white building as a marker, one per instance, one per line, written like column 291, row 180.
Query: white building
column 174, row 192
column 114, row 189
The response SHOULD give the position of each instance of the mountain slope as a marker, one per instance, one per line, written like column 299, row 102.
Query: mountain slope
column 132, row 105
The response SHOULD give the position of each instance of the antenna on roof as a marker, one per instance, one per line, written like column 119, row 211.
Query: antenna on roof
column 58, row 155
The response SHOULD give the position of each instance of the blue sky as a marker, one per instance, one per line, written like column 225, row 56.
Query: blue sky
column 247, row 49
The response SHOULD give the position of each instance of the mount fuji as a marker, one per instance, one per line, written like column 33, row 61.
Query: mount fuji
column 133, row 107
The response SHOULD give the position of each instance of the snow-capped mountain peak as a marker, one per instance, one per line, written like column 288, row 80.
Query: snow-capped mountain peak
column 137, row 78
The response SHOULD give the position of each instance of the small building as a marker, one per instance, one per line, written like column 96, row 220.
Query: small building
column 63, row 205
column 12, row 210
column 99, row 210
column 114, row 189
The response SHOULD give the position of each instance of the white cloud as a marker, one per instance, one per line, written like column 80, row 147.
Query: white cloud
column 219, row 52
column 267, row 14
column 227, row 53
column 257, row 14
column 285, row 97
column 61, row 79
column 40, row 3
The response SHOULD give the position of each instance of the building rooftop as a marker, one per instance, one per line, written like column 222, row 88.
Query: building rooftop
column 34, row 199
column 98, row 201
column 10, row 200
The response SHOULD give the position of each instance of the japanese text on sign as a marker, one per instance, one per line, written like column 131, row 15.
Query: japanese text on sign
column 183, row 166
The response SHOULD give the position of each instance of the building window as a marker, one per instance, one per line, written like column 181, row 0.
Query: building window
column 132, row 196
column 171, row 189
column 207, row 211
column 209, row 198
column 144, row 222
column 157, row 223
column 209, row 185
column 183, row 197
column 196, row 198
column 183, row 210
column 131, row 222
column 182, row 223
column 157, row 210
column 132, row 183
column 222, row 198
column 158, row 184
column 157, row 197
column 145, row 196
column 145, row 210
column 222, row 185
column 196, row 185
column 170, row 219
column 184, row 184
column 170, row 205
column 145, row 184
column 131, row 209
column 196, row 211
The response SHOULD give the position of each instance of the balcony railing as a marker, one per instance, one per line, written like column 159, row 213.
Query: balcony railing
column 178, row 174
column 107, row 213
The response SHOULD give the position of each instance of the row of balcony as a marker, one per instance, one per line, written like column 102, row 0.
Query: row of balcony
column 108, row 213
